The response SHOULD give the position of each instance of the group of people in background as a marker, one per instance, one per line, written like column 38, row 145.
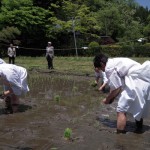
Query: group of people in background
column 49, row 54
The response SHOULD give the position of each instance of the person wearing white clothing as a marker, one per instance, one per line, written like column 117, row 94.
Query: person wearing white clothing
column 50, row 55
column 129, row 82
column 14, row 79
column 2, row 61
column 100, row 75
column 11, row 54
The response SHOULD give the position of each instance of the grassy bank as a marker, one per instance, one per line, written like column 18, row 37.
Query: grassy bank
column 68, row 64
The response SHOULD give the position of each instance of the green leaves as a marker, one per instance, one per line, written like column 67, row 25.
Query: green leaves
column 8, row 34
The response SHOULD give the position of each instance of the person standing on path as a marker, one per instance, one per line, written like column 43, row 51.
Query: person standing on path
column 11, row 54
column 50, row 55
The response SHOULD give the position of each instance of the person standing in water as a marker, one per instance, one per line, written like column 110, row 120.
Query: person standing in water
column 14, row 79
column 129, row 82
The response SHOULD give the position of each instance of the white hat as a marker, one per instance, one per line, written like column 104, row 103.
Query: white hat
column 49, row 43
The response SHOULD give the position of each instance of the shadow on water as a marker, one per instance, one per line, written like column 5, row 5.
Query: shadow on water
column 14, row 148
column 107, row 122
column 130, row 126
column 22, row 108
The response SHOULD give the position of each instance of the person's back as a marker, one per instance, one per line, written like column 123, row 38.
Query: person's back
column 121, row 65
column 14, row 75
column 2, row 61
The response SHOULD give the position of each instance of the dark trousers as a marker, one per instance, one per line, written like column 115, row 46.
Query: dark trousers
column 12, row 60
column 50, row 62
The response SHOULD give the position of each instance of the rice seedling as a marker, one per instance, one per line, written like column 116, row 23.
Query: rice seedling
column 93, row 84
column 67, row 133
column 57, row 98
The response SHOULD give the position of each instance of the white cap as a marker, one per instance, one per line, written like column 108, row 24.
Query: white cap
column 49, row 43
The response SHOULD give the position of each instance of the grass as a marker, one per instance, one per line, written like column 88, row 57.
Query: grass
column 68, row 64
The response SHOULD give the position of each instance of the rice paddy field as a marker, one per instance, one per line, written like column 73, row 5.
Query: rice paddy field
column 63, row 111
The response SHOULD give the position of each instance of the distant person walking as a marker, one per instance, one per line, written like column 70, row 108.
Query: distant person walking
column 11, row 54
column 50, row 55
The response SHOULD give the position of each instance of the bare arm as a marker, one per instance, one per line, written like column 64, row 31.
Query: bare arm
column 102, row 86
column 112, row 95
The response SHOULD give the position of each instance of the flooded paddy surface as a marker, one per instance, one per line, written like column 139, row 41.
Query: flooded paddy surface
column 58, row 101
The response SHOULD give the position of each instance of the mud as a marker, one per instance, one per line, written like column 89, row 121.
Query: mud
column 58, row 101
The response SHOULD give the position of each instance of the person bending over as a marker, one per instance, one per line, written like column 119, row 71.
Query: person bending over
column 129, row 82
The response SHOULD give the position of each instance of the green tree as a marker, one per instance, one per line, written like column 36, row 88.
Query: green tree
column 8, row 34
column 71, row 15
column 147, row 29
column 30, row 20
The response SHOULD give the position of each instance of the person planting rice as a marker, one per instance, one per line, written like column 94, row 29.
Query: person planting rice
column 129, row 82
column 101, row 75
column 14, row 79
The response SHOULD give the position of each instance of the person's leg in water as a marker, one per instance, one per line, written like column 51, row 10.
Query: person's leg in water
column 139, row 126
column 14, row 103
column 8, row 107
column 121, row 122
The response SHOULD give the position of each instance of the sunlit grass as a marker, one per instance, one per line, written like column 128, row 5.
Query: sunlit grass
column 68, row 64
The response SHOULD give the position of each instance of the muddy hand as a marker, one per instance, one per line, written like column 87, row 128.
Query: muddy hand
column 105, row 101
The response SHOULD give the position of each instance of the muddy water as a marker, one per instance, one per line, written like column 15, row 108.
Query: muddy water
column 57, row 102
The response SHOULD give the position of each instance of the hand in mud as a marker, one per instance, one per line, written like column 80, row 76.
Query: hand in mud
column 105, row 101
column 94, row 84
column 111, row 101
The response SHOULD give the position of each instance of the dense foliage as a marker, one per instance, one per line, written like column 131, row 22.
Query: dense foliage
column 34, row 22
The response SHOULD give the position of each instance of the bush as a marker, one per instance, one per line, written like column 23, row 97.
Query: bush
column 127, row 51
column 93, row 49
column 112, row 50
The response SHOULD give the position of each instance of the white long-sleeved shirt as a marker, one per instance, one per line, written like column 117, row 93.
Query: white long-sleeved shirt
column 11, row 52
column 102, row 75
column 14, row 77
column 50, row 51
